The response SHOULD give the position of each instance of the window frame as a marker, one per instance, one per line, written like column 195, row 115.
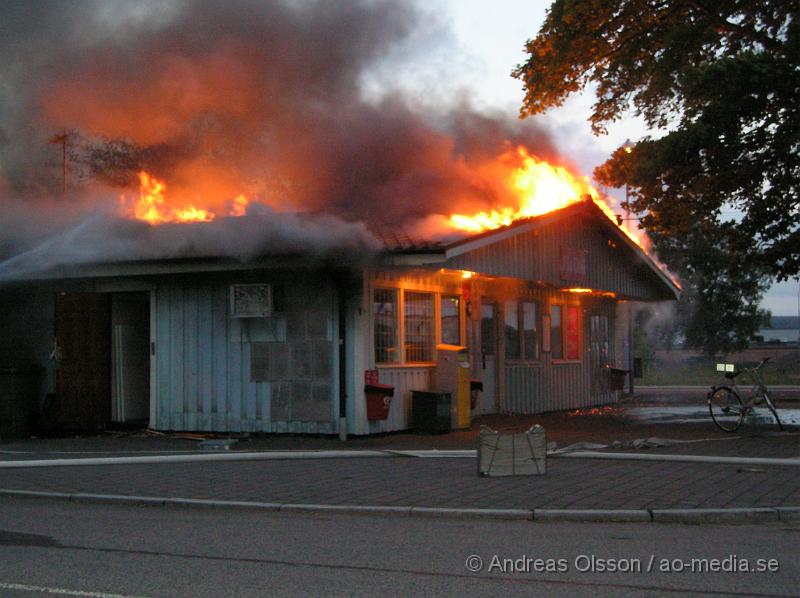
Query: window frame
column 434, row 325
column 562, row 338
column 520, row 319
column 459, row 324
column 397, row 332
column 400, row 292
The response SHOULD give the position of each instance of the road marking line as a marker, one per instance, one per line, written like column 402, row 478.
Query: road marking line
column 47, row 590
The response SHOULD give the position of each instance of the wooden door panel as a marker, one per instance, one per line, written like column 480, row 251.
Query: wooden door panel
column 83, row 375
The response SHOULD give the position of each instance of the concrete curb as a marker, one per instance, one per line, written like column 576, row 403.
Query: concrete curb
column 195, row 458
column 683, row 516
column 754, row 515
column 387, row 453
column 678, row 458
column 788, row 513
column 596, row 515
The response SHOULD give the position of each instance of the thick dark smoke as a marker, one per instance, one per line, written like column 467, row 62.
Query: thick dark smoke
column 222, row 98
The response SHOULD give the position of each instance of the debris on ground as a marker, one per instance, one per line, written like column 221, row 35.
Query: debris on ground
column 606, row 410
column 217, row 444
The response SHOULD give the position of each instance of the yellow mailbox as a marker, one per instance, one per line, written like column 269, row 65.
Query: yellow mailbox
column 452, row 375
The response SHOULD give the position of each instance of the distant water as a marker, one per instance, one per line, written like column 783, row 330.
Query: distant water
column 785, row 335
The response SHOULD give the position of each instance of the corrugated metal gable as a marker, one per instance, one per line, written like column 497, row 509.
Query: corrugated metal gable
column 535, row 254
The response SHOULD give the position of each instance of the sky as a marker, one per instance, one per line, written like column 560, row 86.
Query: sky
column 489, row 42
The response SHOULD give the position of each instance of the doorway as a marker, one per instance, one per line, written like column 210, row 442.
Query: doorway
column 600, row 356
column 130, row 357
column 102, row 350
column 82, row 349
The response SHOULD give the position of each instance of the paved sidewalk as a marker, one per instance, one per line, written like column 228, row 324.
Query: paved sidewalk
column 444, row 483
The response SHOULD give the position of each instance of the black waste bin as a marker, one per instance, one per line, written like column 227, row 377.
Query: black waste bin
column 431, row 411
column 19, row 395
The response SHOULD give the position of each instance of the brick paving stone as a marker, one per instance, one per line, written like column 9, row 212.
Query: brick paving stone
column 569, row 483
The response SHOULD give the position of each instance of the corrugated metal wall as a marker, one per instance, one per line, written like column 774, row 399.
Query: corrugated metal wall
column 535, row 255
column 404, row 381
column 203, row 357
column 547, row 385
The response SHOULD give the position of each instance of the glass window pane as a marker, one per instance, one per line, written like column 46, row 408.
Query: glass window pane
column 572, row 336
column 451, row 323
column 530, row 338
column 556, row 341
column 384, row 312
column 511, row 320
column 419, row 326
column 488, row 328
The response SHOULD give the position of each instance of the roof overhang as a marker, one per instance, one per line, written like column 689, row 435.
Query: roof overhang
column 480, row 240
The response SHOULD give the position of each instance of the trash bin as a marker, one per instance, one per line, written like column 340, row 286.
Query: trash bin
column 19, row 395
column 379, row 400
column 616, row 378
column 504, row 454
column 431, row 412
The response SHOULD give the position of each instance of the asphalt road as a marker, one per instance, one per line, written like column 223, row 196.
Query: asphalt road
column 54, row 548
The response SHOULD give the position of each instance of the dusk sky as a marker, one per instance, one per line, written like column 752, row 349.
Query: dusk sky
column 484, row 44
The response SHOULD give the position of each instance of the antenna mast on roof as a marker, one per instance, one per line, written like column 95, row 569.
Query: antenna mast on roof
column 63, row 139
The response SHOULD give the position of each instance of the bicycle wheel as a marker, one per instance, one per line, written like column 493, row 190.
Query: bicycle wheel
column 726, row 408
column 774, row 411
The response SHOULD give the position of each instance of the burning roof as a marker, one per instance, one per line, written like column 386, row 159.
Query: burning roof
column 245, row 129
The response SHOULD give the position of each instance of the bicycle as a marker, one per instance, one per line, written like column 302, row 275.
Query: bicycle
column 726, row 406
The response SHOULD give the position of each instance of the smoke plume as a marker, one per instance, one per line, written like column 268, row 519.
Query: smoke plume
column 226, row 98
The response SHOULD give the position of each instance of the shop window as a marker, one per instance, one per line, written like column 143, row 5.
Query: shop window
column 488, row 325
column 419, row 326
column 511, row 327
column 530, row 340
column 451, row 322
column 565, row 332
column 384, row 312
column 521, row 331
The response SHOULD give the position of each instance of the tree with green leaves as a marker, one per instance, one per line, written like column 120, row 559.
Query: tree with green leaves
column 717, row 184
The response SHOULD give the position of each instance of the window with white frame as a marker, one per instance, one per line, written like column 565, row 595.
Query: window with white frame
column 420, row 326
column 384, row 313
column 511, row 327
column 521, row 330
column 449, row 313
column 530, row 336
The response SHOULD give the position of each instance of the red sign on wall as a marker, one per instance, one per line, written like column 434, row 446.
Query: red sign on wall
column 572, row 336
column 572, row 264
column 370, row 377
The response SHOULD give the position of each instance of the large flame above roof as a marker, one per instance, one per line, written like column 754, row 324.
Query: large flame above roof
column 527, row 186
column 155, row 207
column 538, row 187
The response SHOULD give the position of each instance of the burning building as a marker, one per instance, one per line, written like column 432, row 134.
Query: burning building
column 292, row 230
column 280, row 341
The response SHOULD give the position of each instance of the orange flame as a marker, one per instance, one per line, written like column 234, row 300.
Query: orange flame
column 540, row 187
column 152, row 206
column 239, row 206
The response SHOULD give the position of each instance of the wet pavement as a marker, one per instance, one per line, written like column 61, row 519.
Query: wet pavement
column 680, row 416
column 642, row 424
